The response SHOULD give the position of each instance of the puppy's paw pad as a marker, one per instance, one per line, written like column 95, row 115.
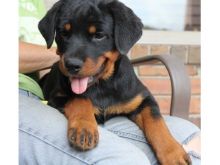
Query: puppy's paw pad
column 83, row 138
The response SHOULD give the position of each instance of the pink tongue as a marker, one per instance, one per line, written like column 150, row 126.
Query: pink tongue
column 79, row 86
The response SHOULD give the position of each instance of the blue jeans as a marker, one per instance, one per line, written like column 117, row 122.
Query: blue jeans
column 43, row 138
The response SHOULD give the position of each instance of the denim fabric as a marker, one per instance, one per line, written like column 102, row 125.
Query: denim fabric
column 43, row 138
column 181, row 130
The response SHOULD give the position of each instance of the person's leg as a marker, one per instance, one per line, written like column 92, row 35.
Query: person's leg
column 183, row 131
column 43, row 140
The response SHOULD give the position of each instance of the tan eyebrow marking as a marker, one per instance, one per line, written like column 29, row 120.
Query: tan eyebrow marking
column 92, row 29
column 67, row 26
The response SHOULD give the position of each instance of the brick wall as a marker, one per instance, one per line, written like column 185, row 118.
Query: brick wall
column 156, row 78
column 193, row 15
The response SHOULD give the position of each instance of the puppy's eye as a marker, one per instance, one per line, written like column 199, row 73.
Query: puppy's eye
column 63, row 34
column 65, row 30
column 99, row 36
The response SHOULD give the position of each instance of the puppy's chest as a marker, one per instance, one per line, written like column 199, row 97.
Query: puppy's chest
column 116, row 107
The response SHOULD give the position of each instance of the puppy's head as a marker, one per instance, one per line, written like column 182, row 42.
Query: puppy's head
column 90, row 36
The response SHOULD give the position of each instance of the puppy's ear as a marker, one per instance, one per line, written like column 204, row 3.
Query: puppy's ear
column 47, row 24
column 128, row 27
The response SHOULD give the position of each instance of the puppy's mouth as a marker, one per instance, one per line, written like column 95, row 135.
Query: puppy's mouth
column 80, row 84
column 91, row 72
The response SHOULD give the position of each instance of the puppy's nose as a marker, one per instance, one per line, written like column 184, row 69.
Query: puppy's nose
column 73, row 65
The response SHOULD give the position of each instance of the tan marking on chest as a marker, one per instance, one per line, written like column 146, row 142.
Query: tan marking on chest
column 125, row 108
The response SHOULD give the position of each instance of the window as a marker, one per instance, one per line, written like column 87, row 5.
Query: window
column 166, row 14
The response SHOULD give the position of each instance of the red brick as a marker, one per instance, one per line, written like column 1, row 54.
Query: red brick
column 195, row 105
column 139, row 50
column 192, row 70
column 152, row 70
column 165, row 101
column 164, row 104
column 160, row 70
column 163, row 85
column 160, row 49
column 157, row 85
column 195, row 86
column 194, row 56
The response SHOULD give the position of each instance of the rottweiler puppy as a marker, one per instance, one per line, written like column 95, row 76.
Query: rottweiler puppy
column 94, row 79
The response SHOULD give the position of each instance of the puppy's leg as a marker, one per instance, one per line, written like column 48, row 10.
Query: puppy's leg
column 167, row 149
column 82, row 126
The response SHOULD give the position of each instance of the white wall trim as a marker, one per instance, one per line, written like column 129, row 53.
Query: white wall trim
column 170, row 37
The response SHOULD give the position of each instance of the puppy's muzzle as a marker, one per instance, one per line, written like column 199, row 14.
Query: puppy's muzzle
column 73, row 65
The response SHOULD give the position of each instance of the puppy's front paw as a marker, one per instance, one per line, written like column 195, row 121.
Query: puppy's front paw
column 83, row 135
column 174, row 155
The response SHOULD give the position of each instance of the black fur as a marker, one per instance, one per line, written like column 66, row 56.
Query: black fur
column 121, row 27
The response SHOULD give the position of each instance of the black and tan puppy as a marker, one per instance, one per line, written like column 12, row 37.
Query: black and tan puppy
column 94, row 79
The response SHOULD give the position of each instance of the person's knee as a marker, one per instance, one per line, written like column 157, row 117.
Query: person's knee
column 193, row 144
column 116, row 150
column 125, row 158
column 35, row 147
column 43, row 136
